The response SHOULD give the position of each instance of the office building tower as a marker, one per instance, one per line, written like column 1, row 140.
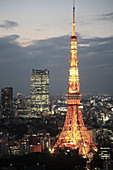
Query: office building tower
column 39, row 92
column 7, row 101
column 74, row 135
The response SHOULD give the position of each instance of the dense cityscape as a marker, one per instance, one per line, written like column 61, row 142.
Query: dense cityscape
column 23, row 132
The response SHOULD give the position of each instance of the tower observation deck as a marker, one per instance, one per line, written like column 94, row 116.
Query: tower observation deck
column 74, row 134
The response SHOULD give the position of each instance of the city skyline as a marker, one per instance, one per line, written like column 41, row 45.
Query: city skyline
column 36, row 35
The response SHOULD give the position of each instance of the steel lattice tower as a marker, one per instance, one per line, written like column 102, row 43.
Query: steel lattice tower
column 74, row 134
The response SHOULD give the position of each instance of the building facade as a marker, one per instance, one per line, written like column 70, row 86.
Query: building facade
column 39, row 92
column 7, row 101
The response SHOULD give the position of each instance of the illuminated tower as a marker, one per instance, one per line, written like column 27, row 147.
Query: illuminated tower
column 74, row 134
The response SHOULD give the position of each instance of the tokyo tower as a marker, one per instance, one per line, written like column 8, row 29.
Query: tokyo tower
column 74, row 134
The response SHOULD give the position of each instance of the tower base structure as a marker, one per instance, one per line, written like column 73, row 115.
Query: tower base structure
column 74, row 135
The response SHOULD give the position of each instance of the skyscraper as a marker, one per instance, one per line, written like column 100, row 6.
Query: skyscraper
column 7, row 101
column 39, row 92
column 74, row 135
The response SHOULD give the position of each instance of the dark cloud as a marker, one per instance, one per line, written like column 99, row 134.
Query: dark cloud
column 10, row 49
column 7, row 24
column 107, row 16
column 94, row 55
column 96, row 64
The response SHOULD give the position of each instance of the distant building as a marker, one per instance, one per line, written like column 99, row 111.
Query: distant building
column 3, row 145
column 39, row 92
column 7, row 101
column 105, row 152
column 62, row 106
column 33, row 143
column 22, row 106
column 19, row 100
column 108, row 165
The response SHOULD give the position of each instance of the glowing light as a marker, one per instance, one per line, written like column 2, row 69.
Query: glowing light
column 74, row 134
column 49, row 149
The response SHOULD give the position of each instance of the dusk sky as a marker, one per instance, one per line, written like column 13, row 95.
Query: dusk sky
column 35, row 34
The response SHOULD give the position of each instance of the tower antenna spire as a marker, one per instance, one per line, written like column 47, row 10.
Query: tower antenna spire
column 73, row 3
column 73, row 32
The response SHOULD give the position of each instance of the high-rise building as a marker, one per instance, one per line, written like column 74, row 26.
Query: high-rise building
column 39, row 92
column 74, row 135
column 7, row 101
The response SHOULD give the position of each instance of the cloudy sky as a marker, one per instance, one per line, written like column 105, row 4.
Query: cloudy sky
column 35, row 34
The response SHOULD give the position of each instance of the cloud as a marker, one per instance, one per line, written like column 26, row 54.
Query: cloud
column 106, row 17
column 7, row 24
column 39, row 30
column 82, row 23
column 10, row 49
column 95, row 63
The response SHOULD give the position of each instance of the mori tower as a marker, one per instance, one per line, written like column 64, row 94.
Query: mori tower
column 74, row 134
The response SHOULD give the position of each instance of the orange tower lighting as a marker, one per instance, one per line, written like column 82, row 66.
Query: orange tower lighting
column 74, row 134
